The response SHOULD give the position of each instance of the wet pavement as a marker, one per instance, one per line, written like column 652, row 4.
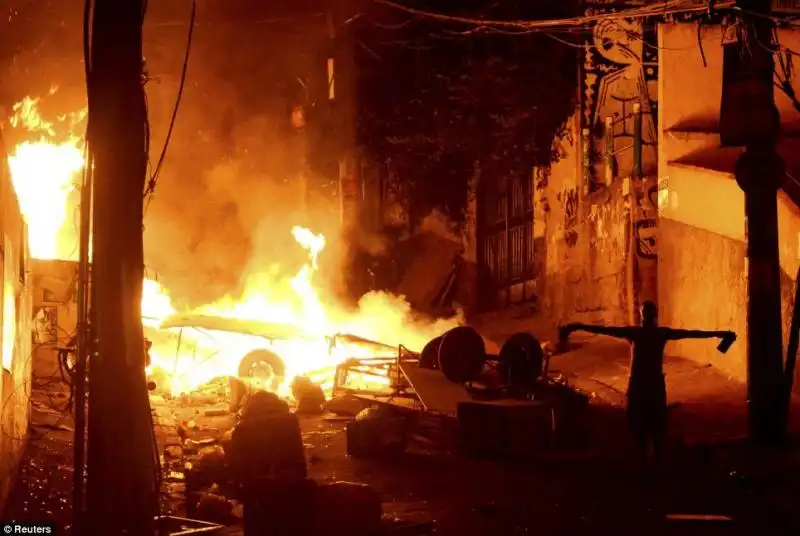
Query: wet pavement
column 595, row 492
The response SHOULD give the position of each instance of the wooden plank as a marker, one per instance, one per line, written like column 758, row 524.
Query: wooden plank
column 435, row 392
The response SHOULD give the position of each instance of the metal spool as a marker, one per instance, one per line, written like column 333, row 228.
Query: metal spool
column 521, row 362
column 429, row 357
column 462, row 354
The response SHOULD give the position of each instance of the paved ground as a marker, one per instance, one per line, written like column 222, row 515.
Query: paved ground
column 601, row 494
column 706, row 406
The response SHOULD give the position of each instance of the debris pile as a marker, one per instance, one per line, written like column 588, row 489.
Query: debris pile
column 254, row 471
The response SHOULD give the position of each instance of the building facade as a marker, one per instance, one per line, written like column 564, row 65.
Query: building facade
column 644, row 204
column 15, row 338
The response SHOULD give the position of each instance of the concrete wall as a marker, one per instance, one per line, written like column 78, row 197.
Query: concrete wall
column 601, row 235
column 683, row 73
column 16, row 335
column 586, row 244
column 701, row 263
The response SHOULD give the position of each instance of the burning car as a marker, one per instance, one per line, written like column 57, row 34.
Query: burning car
column 264, row 355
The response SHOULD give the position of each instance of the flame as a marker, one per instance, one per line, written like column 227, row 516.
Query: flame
column 310, row 353
column 44, row 171
column 156, row 304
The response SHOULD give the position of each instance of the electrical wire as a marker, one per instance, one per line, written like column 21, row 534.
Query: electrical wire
column 151, row 186
column 276, row 20
column 669, row 7
column 583, row 31
column 784, row 70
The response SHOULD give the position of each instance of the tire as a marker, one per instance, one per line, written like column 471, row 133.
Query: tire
column 521, row 362
column 429, row 356
column 462, row 354
column 248, row 364
column 261, row 358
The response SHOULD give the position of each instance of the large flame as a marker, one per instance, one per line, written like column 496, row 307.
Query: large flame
column 45, row 170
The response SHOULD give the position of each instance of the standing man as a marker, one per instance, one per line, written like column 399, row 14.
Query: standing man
column 647, row 392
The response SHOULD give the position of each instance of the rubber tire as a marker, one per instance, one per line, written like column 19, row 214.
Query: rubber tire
column 521, row 362
column 462, row 354
column 239, row 389
column 263, row 356
column 429, row 356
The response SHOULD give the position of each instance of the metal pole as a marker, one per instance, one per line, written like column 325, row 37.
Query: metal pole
column 749, row 117
column 608, row 150
column 637, row 141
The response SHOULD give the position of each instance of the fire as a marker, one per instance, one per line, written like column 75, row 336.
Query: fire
column 309, row 353
column 156, row 304
column 45, row 170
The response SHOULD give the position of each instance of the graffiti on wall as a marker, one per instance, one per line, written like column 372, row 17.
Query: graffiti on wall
column 570, row 198
column 645, row 226
column 620, row 68
column 569, row 202
column 571, row 238
column 645, row 235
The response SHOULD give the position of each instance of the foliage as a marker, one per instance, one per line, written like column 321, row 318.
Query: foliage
column 437, row 104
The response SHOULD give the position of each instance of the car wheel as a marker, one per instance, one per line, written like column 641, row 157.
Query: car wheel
column 261, row 365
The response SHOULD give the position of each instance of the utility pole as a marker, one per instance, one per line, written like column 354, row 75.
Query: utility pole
column 750, row 118
column 121, row 464
column 341, row 105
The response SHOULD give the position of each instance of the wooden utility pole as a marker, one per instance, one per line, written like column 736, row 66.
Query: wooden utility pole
column 121, row 465
column 750, row 118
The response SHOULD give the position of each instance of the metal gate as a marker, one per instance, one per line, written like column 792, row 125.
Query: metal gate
column 506, row 242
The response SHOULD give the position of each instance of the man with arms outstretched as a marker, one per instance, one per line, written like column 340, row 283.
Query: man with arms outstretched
column 647, row 392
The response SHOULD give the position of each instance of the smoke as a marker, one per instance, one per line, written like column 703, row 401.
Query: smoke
column 372, row 243
column 233, row 221
column 390, row 319
column 229, row 190
column 439, row 224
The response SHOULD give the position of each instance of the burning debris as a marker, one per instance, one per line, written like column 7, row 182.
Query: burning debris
column 45, row 168
column 281, row 340
column 309, row 396
column 256, row 473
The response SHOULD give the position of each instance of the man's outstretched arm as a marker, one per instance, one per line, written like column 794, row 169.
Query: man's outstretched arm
column 620, row 332
column 679, row 334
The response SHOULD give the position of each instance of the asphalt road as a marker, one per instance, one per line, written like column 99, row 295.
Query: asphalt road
column 600, row 494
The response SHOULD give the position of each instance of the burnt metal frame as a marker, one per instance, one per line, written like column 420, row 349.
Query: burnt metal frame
column 376, row 366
